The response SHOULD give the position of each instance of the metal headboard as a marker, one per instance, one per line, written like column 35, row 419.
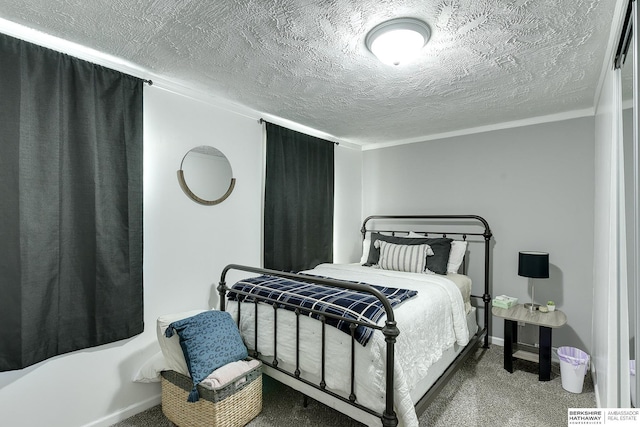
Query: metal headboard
column 455, row 221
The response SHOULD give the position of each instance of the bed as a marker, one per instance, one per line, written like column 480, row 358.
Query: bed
column 383, row 371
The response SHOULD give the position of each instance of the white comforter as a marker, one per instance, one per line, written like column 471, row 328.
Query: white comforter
column 428, row 324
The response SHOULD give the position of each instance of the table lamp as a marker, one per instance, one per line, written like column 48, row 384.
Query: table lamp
column 534, row 265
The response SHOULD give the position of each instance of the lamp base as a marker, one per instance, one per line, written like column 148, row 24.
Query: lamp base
column 531, row 306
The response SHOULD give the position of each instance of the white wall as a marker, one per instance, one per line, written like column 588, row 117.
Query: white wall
column 186, row 245
column 348, row 205
column 611, row 332
column 610, row 324
column 604, row 318
column 533, row 184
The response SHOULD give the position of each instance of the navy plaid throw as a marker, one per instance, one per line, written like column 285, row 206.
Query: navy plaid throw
column 343, row 302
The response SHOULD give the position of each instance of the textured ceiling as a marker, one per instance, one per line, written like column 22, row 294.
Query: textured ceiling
column 488, row 61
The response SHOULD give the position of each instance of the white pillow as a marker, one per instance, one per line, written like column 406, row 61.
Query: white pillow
column 366, row 244
column 171, row 350
column 456, row 255
column 149, row 372
column 409, row 258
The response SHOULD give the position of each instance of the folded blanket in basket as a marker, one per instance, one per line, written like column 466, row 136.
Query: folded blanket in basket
column 229, row 372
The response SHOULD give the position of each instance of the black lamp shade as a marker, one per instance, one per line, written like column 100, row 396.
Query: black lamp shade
column 533, row 264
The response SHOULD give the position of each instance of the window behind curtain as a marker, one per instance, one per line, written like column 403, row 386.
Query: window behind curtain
column 71, row 210
column 298, row 213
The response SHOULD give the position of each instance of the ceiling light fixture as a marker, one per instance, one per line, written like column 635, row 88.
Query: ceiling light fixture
column 398, row 40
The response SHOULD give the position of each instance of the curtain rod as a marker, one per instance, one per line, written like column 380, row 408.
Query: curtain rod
column 261, row 121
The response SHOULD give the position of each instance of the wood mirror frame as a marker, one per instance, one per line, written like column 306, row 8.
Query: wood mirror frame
column 205, row 151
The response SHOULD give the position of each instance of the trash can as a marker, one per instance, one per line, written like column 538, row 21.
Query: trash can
column 573, row 368
column 632, row 368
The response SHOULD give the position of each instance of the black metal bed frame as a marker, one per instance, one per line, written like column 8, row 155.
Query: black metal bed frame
column 389, row 330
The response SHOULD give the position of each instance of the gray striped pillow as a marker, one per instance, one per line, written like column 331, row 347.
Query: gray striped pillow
column 409, row 258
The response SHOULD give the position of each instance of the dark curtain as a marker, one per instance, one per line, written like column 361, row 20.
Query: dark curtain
column 298, row 212
column 71, row 210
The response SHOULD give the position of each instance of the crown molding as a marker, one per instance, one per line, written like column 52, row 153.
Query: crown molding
column 568, row 115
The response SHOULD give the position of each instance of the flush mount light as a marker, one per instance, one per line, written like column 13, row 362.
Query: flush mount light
column 399, row 40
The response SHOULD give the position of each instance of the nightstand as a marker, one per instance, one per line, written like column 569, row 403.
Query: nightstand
column 545, row 321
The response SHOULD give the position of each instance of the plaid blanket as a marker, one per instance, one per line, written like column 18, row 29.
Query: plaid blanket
column 343, row 302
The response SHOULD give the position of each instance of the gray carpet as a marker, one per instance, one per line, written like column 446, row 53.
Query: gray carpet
column 480, row 394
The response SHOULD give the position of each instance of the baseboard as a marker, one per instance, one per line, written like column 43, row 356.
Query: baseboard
column 496, row 341
column 125, row 413
column 594, row 378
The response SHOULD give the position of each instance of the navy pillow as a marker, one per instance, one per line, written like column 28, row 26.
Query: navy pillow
column 209, row 340
column 441, row 247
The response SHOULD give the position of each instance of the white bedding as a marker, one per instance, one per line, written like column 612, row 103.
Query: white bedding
column 429, row 324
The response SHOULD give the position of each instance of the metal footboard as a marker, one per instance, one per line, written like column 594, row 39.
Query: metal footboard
column 389, row 330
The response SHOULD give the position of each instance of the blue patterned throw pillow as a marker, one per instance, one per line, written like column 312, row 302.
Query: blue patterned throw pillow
column 209, row 340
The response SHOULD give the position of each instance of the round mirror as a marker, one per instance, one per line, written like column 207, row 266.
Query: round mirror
column 205, row 175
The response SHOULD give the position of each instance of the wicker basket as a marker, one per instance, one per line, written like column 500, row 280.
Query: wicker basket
column 229, row 406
